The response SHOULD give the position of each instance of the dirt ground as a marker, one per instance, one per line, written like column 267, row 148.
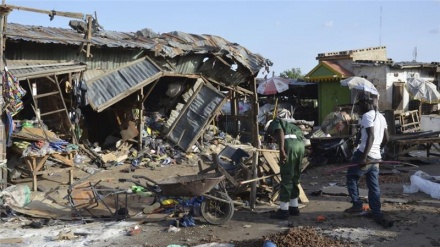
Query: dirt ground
column 416, row 216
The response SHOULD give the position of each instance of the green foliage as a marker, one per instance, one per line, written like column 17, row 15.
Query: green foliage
column 294, row 73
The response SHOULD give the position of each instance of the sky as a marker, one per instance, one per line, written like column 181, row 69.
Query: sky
column 289, row 33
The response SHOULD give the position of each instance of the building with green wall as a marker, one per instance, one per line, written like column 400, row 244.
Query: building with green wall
column 328, row 75
column 334, row 67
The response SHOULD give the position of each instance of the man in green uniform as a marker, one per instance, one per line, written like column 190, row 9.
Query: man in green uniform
column 291, row 144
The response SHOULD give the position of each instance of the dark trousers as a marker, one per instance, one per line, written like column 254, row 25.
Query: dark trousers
column 290, row 170
column 371, row 172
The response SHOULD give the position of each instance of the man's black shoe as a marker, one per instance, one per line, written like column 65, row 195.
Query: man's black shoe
column 280, row 214
column 294, row 211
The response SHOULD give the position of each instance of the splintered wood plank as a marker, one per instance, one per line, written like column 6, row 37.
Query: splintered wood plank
column 302, row 195
column 272, row 160
column 64, row 160
column 11, row 240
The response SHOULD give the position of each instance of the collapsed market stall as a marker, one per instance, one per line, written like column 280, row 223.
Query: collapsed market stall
column 91, row 89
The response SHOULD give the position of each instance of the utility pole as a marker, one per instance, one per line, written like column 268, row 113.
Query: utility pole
column 3, row 161
column 415, row 54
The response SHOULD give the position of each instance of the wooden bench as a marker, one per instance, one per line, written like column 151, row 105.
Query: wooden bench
column 400, row 146
column 37, row 163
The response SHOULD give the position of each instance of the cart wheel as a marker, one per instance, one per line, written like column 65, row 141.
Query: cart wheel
column 217, row 212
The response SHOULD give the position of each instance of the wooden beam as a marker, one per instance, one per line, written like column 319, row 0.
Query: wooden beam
column 219, row 168
column 253, row 194
column 89, row 34
column 52, row 80
column 237, row 89
column 46, row 65
column 49, row 12
column 149, row 91
column 141, row 117
column 272, row 160
column 168, row 74
column 255, row 131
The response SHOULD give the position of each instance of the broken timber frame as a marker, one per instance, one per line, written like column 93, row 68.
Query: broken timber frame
column 6, row 9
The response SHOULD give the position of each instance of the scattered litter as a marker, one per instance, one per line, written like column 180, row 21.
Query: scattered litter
column 269, row 243
column 215, row 245
column 352, row 234
column 15, row 195
column 173, row 229
column 134, row 231
column 67, row 235
column 395, row 200
column 11, row 241
column 422, row 181
column 185, row 221
column 320, row 218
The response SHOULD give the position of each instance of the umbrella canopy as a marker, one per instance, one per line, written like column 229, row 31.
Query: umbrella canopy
column 273, row 85
column 423, row 90
column 359, row 83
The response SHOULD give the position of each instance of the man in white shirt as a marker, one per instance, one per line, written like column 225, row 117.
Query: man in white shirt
column 374, row 137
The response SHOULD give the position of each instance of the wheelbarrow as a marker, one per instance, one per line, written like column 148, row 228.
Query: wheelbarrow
column 216, row 206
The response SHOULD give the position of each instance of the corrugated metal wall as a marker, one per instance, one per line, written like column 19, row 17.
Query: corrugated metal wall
column 103, row 58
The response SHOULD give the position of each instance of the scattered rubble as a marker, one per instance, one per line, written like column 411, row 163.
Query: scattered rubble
column 301, row 236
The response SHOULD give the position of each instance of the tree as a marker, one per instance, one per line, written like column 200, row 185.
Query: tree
column 294, row 73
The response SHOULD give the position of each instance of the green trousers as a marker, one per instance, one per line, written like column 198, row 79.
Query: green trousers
column 290, row 170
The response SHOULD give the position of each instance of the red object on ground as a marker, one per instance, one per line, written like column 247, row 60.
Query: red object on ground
column 320, row 218
column 135, row 231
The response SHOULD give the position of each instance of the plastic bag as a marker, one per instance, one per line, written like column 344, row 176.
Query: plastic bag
column 422, row 181
column 16, row 195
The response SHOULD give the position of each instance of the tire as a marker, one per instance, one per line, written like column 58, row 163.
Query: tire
column 217, row 212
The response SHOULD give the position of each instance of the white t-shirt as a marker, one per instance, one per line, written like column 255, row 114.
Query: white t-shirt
column 376, row 120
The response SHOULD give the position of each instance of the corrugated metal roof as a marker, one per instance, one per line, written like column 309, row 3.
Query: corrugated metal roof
column 414, row 64
column 170, row 44
column 338, row 68
column 34, row 69
column 193, row 118
column 111, row 87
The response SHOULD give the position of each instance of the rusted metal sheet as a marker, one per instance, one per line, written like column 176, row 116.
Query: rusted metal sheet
column 35, row 69
column 109, row 88
column 194, row 117
column 172, row 44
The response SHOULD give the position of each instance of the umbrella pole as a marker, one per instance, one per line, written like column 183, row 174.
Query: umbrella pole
column 352, row 107
column 275, row 110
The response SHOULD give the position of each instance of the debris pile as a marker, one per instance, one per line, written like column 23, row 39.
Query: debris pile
column 297, row 236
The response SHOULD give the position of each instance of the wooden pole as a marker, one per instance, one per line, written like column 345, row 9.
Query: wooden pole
column 3, row 171
column 258, row 179
column 141, row 117
column 254, row 101
column 253, row 195
column 256, row 143
column 89, row 35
